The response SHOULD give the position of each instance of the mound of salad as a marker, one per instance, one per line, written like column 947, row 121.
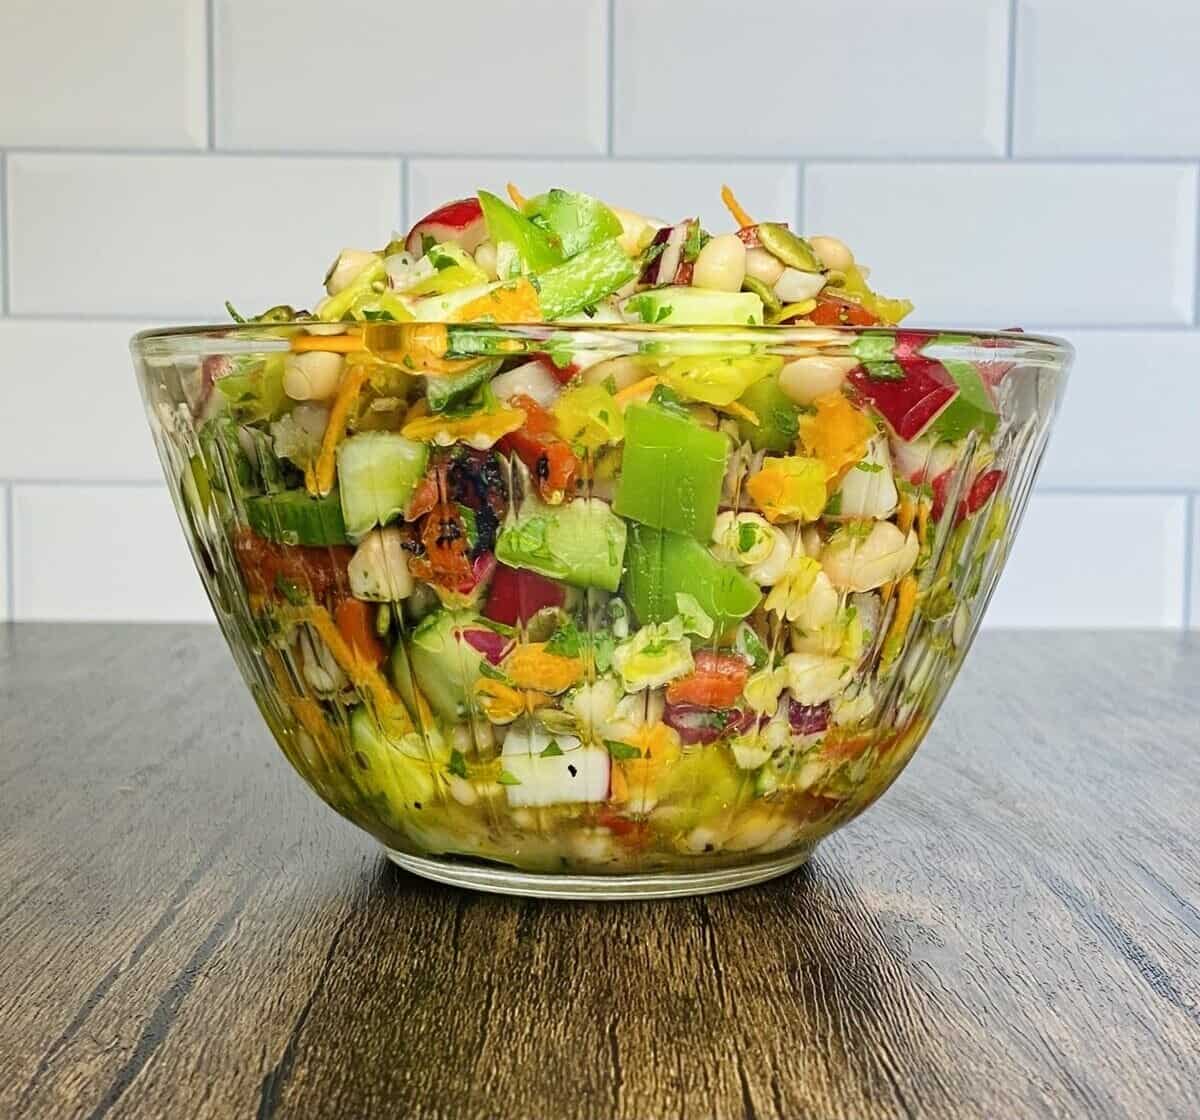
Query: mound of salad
column 537, row 599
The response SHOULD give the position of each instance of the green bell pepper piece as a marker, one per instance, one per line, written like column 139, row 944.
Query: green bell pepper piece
column 577, row 220
column 292, row 517
column 972, row 410
column 778, row 417
column 671, row 472
column 587, row 277
column 660, row 565
column 537, row 249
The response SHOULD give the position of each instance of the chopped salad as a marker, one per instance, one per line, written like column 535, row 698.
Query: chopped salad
column 565, row 599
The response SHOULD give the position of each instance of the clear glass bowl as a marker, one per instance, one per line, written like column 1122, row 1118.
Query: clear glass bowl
column 426, row 751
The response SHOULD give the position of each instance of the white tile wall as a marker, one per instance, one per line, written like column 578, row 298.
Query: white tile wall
column 667, row 190
column 1098, row 560
column 126, row 75
column 507, row 76
column 1131, row 412
column 858, row 77
column 99, row 431
column 1040, row 171
column 174, row 236
column 102, row 553
column 1107, row 79
column 999, row 244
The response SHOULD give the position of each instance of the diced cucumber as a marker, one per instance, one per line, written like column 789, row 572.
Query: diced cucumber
column 686, row 306
column 292, row 517
column 972, row 410
column 577, row 220
column 778, row 417
column 443, row 665
column 580, row 542
column 377, row 472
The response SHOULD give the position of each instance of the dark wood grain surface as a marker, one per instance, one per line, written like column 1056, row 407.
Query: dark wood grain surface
column 186, row 932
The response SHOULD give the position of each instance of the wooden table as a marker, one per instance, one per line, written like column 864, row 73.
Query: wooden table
column 187, row 932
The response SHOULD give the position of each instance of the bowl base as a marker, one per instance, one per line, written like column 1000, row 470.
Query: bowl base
column 666, row 884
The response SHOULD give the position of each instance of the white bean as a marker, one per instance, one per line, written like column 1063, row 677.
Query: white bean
column 485, row 257
column 379, row 568
column 862, row 565
column 806, row 379
column 312, row 376
column 763, row 266
column 794, row 285
column 349, row 263
column 833, row 252
column 721, row 265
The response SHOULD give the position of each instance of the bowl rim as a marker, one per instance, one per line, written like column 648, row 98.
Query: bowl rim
column 183, row 339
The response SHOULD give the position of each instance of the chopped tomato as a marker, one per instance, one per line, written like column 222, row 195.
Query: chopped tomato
column 272, row 569
column 562, row 374
column 973, row 500
column 356, row 622
column 444, row 556
column 716, row 682
column 833, row 312
column 633, row 834
column 550, row 460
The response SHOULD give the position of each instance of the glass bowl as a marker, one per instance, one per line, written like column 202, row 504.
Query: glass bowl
column 600, row 691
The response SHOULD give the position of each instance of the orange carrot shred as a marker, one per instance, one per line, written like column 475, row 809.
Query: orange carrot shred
column 518, row 199
column 335, row 427
column 735, row 208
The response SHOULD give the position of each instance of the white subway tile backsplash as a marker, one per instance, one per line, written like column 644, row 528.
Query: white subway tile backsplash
column 1084, row 560
column 77, row 72
column 1130, row 413
column 482, row 76
column 174, row 236
column 94, row 429
column 1103, row 78
column 113, row 553
column 666, row 190
column 996, row 244
column 858, row 77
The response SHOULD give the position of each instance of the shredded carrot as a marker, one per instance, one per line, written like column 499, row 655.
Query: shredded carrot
column 906, row 602
column 518, row 199
column 390, row 709
column 331, row 343
column 335, row 427
column 635, row 391
column 513, row 303
column 735, row 208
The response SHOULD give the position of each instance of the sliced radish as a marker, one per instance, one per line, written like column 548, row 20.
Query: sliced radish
column 909, row 404
column 460, row 222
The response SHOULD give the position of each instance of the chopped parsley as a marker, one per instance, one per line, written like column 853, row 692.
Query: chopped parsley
column 458, row 764
column 621, row 751
column 507, row 778
column 553, row 750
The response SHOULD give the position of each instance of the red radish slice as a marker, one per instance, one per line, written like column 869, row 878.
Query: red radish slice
column 460, row 222
column 517, row 595
column 493, row 646
column 912, row 403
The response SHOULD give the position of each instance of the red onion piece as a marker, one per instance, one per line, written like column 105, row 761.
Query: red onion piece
column 808, row 719
column 493, row 646
column 704, row 725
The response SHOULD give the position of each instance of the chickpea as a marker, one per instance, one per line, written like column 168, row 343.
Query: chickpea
column 806, row 379
column 312, row 376
column 763, row 266
column 721, row 265
column 834, row 253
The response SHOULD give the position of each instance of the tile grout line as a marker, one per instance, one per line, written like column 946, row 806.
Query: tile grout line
column 610, row 77
column 211, row 66
column 1190, row 572
column 1098, row 161
column 1011, row 95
